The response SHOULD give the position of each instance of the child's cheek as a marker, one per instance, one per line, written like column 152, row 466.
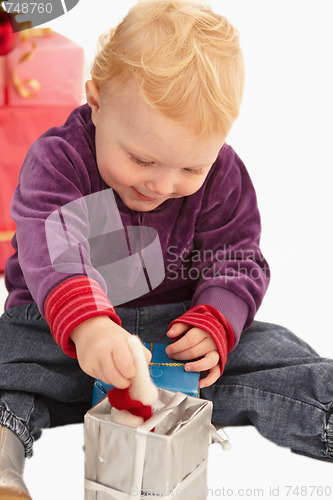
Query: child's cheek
column 191, row 186
column 113, row 169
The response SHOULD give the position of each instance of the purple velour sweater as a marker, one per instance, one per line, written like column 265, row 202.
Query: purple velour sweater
column 209, row 240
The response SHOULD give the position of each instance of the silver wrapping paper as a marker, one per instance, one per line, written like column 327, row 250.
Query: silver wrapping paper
column 122, row 463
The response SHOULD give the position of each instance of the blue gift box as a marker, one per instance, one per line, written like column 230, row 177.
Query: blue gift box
column 165, row 372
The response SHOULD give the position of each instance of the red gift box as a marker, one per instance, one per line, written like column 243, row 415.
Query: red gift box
column 40, row 84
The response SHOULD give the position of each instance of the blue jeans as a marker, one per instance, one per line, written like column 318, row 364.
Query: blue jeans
column 272, row 380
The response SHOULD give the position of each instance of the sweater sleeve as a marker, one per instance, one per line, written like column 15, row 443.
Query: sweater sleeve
column 234, row 275
column 52, row 258
column 72, row 302
column 53, row 175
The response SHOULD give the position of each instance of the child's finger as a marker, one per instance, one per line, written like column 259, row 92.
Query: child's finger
column 211, row 378
column 192, row 338
column 184, row 350
column 110, row 375
column 177, row 329
column 209, row 361
column 123, row 360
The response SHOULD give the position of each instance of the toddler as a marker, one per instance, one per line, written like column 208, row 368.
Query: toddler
column 148, row 152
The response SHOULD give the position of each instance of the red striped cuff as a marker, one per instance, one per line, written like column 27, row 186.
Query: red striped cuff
column 72, row 302
column 213, row 322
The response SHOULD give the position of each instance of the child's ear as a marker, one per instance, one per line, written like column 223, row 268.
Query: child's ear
column 93, row 98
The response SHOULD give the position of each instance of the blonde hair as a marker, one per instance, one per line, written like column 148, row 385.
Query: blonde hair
column 186, row 60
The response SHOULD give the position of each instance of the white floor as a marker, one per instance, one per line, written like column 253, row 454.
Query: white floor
column 254, row 467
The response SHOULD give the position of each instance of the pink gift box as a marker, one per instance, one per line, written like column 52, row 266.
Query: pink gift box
column 56, row 64
column 2, row 80
column 20, row 126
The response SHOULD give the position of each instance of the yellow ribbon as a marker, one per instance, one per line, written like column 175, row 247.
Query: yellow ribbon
column 6, row 235
column 21, row 86
column 170, row 364
column 163, row 364
column 166, row 364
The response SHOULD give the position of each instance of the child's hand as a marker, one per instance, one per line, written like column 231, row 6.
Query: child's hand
column 103, row 353
column 195, row 343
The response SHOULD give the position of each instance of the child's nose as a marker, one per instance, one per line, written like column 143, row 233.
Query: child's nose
column 162, row 185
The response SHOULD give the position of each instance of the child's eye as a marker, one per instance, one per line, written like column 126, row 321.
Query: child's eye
column 193, row 171
column 141, row 162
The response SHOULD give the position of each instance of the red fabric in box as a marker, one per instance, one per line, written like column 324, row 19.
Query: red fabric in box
column 19, row 128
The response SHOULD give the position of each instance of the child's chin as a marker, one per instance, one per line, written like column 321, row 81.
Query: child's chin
column 144, row 206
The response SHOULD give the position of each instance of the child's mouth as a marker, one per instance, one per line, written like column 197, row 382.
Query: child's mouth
column 142, row 196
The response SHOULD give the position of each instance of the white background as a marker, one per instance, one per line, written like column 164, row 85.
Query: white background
column 284, row 136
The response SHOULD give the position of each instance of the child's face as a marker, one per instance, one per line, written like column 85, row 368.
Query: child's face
column 145, row 157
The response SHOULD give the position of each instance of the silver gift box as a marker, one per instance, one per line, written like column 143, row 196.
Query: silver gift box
column 124, row 463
